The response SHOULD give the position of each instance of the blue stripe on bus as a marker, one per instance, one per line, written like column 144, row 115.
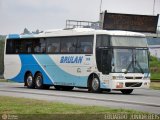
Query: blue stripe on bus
column 103, row 85
column 28, row 63
column 13, row 36
column 60, row 77
column 27, row 36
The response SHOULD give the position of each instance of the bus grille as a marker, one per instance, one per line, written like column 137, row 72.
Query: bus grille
column 133, row 77
column 133, row 84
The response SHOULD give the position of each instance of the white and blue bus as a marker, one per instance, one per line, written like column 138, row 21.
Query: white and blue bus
column 81, row 57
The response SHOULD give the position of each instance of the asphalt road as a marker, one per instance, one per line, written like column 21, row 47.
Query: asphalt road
column 141, row 99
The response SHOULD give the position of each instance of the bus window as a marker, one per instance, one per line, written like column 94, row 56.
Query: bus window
column 53, row 45
column 20, row 46
column 39, row 46
column 13, row 46
column 27, row 45
column 10, row 47
column 85, row 44
column 102, row 41
column 68, row 45
column 42, row 45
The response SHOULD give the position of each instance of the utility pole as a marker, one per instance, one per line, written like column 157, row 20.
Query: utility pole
column 100, row 15
column 154, row 7
column 100, row 9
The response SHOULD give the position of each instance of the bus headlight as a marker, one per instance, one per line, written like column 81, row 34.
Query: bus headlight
column 119, row 85
column 118, row 77
column 146, row 76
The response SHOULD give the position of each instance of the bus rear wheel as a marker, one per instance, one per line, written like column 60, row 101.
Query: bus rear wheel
column 94, row 85
column 127, row 91
column 30, row 81
column 39, row 82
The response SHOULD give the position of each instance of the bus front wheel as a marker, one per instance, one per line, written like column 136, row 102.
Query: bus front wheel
column 30, row 81
column 94, row 85
column 127, row 91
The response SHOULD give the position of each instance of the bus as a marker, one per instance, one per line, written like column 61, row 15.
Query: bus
column 81, row 57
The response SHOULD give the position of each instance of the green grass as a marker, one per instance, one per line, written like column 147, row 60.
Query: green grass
column 154, row 67
column 29, row 108
column 155, row 76
column 11, row 105
column 3, row 80
column 155, row 85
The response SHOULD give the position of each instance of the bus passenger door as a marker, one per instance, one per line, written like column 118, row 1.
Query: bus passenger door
column 106, row 61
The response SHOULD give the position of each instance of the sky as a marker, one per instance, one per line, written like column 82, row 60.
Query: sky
column 15, row 15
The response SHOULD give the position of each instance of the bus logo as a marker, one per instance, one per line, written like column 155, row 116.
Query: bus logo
column 71, row 59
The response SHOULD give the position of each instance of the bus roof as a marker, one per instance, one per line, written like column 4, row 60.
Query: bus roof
column 75, row 32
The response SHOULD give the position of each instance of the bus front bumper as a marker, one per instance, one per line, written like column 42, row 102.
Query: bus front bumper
column 129, row 84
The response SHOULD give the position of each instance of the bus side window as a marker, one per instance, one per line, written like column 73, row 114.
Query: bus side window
column 87, row 49
column 102, row 40
column 36, row 49
column 18, row 46
column 42, row 47
column 53, row 45
column 64, row 48
column 85, row 44
column 29, row 49
column 68, row 45
column 10, row 47
column 52, row 49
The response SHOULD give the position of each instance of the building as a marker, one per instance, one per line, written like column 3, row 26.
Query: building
column 154, row 44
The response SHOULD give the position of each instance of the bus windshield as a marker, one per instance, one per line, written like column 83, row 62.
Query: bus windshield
column 130, row 60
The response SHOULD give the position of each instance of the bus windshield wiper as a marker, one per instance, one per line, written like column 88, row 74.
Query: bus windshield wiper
column 130, row 64
column 139, row 67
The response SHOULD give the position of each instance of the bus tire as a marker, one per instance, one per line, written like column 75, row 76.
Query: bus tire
column 127, row 91
column 29, row 80
column 39, row 81
column 94, row 85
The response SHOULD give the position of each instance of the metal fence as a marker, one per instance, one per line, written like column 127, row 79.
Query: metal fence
column 1, row 57
column 70, row 24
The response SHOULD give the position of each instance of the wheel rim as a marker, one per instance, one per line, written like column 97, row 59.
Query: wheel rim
column 95, row 84
column 39, row 81
column 29, row 80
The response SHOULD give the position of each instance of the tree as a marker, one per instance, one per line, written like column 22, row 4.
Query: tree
column 37, row 31
column 26, row 31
